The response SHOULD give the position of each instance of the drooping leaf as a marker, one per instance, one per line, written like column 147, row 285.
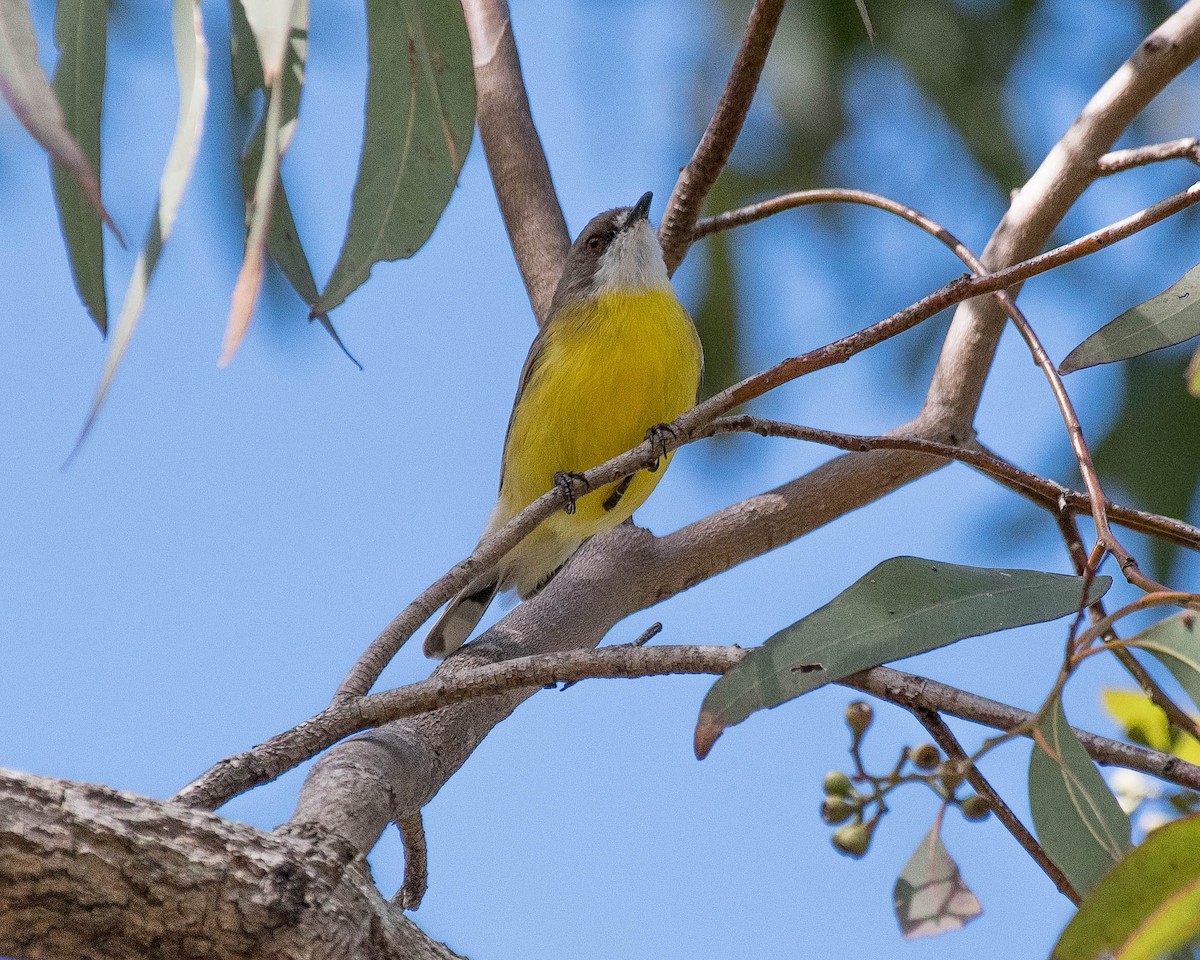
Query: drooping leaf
column 81, row 34
column 271, row 24
column 1079, row 822
column 903, row 607
column 420, row 117
column 1175, row 641
column 1151, row 454
column 283, row 238
column 286, row 79
column 191, row 60
column 930, row 896
column 243, row 52
column 25, row 88
column 1147, row 906
column 1162, row 321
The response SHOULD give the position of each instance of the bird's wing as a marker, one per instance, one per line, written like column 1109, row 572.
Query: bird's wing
column 531, row 361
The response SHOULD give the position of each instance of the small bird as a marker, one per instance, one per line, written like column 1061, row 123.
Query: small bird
column 617, row 357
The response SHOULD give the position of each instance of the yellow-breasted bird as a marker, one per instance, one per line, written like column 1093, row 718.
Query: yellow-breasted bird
column 617, row 356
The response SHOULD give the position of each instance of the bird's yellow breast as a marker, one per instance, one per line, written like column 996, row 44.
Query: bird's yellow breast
column 607, row 370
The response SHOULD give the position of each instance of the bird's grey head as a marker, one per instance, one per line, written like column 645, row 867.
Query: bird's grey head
column 618, row 252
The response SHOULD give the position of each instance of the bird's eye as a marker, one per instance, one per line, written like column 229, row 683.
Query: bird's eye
column 594, row 244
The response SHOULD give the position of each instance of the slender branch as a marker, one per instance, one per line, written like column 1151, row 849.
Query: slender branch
column 520, row 173
column 1118, row 161
column 1177, row 716
column 283, row 752
column 1045, row 493
column 368, row 667
column 1074, row 429
column 944, row 737
column 1040, row 205
column 712, row 153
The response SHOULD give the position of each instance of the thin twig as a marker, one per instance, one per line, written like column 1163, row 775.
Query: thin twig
column 1045, row 493
column 1074, row 429
column 379, row 653
column 1176, row 715
column 1118, row 161
column 712, row 153
column 945, row 739
column 274, row 757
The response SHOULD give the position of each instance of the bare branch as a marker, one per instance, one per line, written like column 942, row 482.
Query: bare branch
column 1045, row 493
column 373, row 660
column 532, row 215
column 712, row 153
column 1119, row 161
column 1040, row 205
column 100, row 874
column 945, row 739
column 481, row 679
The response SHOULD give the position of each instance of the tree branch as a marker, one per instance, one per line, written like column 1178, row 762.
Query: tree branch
column 712, row 153
column 1119, row 161
column 520, row 173
column 75, row 858
column 902, row 469
column 945, row 739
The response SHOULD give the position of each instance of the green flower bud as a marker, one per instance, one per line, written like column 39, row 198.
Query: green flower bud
column 859, row 715
column 975, row 807
column 925, row 757
column 853, row 840
column 836, row 809
column 838, row 784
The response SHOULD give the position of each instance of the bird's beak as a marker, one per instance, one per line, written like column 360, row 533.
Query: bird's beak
column 641, row 209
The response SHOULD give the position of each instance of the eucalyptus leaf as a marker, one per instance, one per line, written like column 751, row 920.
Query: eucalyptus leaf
column 1078, row 820
column 1175, row 641
column 1147, row 906
column 903, row 607
column 420, row 118
column 191, row 61
column 1162, row 321
column 930, row 896
column 23, row 85
column 277, row 129
column 81, row 34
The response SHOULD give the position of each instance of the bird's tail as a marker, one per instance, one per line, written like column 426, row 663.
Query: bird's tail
column 465, row 611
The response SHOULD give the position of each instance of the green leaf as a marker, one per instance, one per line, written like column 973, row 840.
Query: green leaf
column 1148, row 905
column 1163, row 321
column 243, row 52
column 420, row 118
column 1175, row 641
column 1079, row 822
column 81, row 34
column 903, row 607
column 272, row 25
column 25, row 87
column 191, row 61
column 1151, row 454
column 286, row 77
column 930, row 896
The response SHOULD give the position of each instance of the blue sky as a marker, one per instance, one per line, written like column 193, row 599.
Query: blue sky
column 228, row 541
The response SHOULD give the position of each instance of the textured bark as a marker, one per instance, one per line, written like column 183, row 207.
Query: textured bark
column 89, row 873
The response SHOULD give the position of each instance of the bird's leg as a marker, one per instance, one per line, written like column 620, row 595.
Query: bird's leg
column 566, row 481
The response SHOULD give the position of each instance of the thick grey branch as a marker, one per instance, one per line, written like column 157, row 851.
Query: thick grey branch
column 92, row 873
column 532, row 215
